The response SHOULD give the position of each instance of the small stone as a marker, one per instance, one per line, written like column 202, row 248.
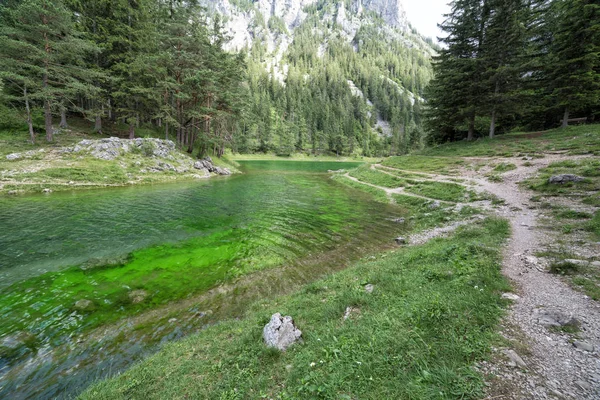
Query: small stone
column 12, row 192
column 434, row 205
column 400, row 240
column 369, row 288
column 551, row 318
column 47, row 190
column 172, row 320
column 350, row 311
column 83, row 304
column 583, row 385
column 137, row 296
column 281, row 332
column 398, row 220
column 583, row 345
column 510, row 296
column 515, row 359
column 13, row 156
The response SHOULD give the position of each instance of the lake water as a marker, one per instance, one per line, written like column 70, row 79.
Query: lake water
column 89, row 278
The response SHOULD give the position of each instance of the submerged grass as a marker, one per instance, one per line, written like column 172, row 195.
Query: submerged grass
column 432, row 314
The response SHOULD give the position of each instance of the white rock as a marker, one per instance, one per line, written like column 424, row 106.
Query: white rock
column 281, row 332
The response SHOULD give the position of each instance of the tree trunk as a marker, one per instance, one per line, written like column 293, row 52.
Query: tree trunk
column 471, row 128
column 166, row 130
column 565, row 121
column 29, row 119
column 63, row 117
column 48, row 120
column 98, row 124
column 493, row 125
column 131, row 130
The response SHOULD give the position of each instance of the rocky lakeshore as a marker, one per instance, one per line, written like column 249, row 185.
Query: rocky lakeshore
column 101, row 163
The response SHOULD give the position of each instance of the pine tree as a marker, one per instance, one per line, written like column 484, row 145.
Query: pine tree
column 575, row 70
column 455, row 95
column 502, row 55
column 44, row 55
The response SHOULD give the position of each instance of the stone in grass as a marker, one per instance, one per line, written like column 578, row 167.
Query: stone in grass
column 137, row 296
column 564, row 178
column 369, row 288
column 400, row 240
column 434, row 205
column 281, row 332
column 83, row 304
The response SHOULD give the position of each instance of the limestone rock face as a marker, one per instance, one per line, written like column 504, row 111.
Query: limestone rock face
column 281, row 332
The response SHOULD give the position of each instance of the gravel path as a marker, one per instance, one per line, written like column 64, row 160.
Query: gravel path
column 556, row 364
column 542, row 360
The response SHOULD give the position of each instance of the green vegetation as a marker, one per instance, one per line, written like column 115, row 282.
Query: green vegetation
column 378, row 194
column 504, row 167
column 509, row 63
column 437, row 165
column 366, row 174
column 432, row 314
column 438, row 190
column 588, row 168
column 593, row 226
column 582, row 139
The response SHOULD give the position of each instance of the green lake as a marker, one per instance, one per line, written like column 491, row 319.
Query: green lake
column 91, row 281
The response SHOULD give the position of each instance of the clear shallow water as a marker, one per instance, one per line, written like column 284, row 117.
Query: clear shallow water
column 128, row 251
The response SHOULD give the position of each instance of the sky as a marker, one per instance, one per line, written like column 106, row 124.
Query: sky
column 424, row 15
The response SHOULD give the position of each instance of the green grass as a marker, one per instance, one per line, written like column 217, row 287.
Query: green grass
column 364, row 173
column 423, row 217
column 378, row 194
column 432, row 315
column 403, row 174
column 571, row 214
column 504, row 167
column 438, row 190
column 588, row 168
column 593, row 226
column 582, row 139
column 591, row 287
column 592, row 200
column 438, row 165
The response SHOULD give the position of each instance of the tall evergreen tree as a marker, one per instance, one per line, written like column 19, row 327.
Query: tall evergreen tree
column 43, row 53
column 575, row 70
column 502, row 56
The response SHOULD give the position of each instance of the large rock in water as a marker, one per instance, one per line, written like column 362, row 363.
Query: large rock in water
column 564, row 178
column 281, row 332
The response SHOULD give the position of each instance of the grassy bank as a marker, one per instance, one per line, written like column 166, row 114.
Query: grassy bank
column 432, row 314
column 34, row 168
column 582, row 139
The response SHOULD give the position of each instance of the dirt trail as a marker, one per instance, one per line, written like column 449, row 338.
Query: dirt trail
column 554, row 368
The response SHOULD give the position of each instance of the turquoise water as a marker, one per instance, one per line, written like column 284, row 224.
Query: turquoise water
column 168, row 242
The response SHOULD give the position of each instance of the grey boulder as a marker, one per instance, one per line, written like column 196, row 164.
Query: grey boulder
column 564, row 178
column 281, row 332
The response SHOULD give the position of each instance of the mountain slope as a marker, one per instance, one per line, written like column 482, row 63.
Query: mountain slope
column 325, row 76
